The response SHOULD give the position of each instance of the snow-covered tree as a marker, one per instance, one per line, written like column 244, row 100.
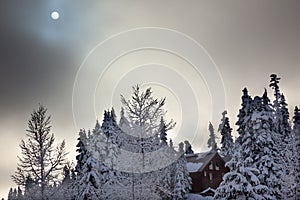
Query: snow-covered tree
column 182, row 180
column 163, row 132
column 226, row 140
column 124, row 123
column 243, row 115
column 188, row 148
column 254, row 169
column 211, row 142
column 82, row 151
column 40, row 159
column 10, row 194
column 266, row 153
column 144, row 112
column 90, row 182
column 296, row 153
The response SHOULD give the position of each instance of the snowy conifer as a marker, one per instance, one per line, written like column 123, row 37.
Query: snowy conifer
column 89, row 183
column 254, row 169
column 296, row 153
column 182, row 180
column 81, row 149
column 163, row 132
column 243, row 115
column 124, row 123
column 226, row 140
column 211, row 142
column 188, row 148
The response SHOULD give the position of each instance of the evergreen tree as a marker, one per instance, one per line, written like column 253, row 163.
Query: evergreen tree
column 212, row 138
column 81, row 149
column 89, row 183
column 276, row 103
column 163, row 132
column 182, row 180
column 188, row 148
column 65, row 190
column 296, row 153
column 19, row 194
column 254, row 169
column 266, row 152
column 226, row 140
column 39, row 158
column 243, row 115
column 124, row 123
column 10, row 194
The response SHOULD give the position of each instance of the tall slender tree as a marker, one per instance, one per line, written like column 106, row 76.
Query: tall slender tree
column 296, row 153
column 211, row 142
column 226, row 140
column 40, row 159
column 163, row 132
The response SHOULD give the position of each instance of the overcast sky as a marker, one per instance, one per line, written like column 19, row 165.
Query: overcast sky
column 246, row 41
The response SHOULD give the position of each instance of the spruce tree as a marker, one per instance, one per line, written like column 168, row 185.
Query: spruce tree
column 243, row 115
column 254, row 169
column 124, row 123
column 163, row 132
column 90, row 182
column 188, row 148
column 82, row 151
column 211, row 142
column 182, row 181
column 296, row 153
column 226, row 140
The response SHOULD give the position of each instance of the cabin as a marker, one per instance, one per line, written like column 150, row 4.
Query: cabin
column 206, row 170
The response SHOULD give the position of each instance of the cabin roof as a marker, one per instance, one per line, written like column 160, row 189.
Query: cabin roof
column 198, row 161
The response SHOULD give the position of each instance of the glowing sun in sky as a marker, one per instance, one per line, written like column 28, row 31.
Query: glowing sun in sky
column 54, row 15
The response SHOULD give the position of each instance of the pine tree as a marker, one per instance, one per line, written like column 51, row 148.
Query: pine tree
column 39, row 158
column 188, row 148
column 226, row 140
column 10, row 194
column 211, row 142
column 243, row 115
column 254, row 169
column 267, row 155
column 296, row 153
column 19, row 194
column 65, row 189
column 182, row 180
column 81, row 149
column 124, row 123
column 163, row 132
column 89, row 184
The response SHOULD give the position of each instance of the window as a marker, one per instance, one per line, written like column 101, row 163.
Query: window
column 204, row 173
column 210, row 176
column 211, row 166
column 217, row 166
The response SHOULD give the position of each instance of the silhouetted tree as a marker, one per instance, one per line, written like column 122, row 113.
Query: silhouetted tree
column 40, row 159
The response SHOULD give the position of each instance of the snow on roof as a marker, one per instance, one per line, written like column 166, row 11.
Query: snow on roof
column 208, row 189
column 193, row 167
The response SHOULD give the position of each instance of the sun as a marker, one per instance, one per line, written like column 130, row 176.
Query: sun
column 54, row 15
